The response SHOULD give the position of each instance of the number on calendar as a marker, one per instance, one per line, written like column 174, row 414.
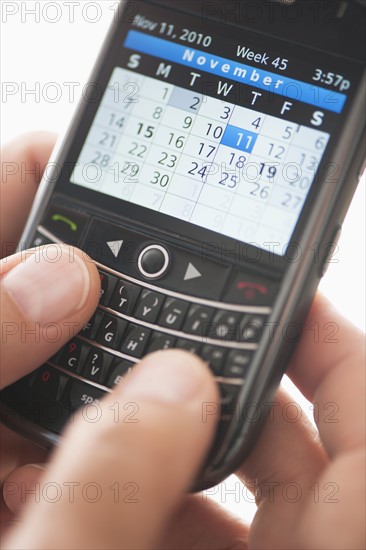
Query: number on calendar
column 188, row 121
column 257, row 123
column 288, row 133
column 168, row 160
column 195, row 103
column 260, row 192
column 291, row 201
column 160, row 179
column 229, row 181
column 108, row 140
column 202, row 171
column 214, row 131
column 145, row 130
column 138, row 150
column 227, row 112
column 101, row 159
column 116, row 120
column 269, row 172
column 237, row 160
column 157, row 114
column 130, row 170
column 276, row 151
column 206, row 150
column 176, row 141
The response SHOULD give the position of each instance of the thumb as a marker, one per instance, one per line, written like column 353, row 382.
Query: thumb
column 119, row 477
column 46, row 297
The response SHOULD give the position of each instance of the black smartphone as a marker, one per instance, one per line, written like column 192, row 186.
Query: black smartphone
column 207, row 172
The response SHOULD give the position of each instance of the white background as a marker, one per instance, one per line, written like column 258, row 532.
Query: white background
column 53, row 51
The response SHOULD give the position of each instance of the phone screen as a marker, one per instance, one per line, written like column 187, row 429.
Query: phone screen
column 224, row 135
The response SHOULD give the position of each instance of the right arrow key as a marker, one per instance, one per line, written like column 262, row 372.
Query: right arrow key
column 192, row 273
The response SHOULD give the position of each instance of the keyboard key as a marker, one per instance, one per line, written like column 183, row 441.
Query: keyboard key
column 188, row 345
column 149, row 306
column 229, row 402
column 161, row 342
column 196, row 275
column 80, row 394
column 111, row 331
column 154, row 262
column 215, row 357
column 39, row 240
column 73, row 355
column 113, row 246
column 125, row 297
column 66, row 224
column 57, row 357
column 198, row 320
column 225, row 327
column 173, row 314
column 238, row 363
column 136, row 341
column 48, row 382
column 118, row 372
column 97, row 364
column 108, row 284
column 252, row 328
column 250, row 290
column 91, row 329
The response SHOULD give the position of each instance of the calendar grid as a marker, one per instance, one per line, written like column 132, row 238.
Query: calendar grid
column 202, row 160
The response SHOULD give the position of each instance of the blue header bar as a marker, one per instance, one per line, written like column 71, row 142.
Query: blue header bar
column 245, row 74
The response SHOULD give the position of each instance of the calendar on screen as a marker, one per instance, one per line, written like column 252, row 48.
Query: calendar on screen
column 222, row 166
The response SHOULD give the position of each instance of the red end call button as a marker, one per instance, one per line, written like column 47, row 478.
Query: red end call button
column 250, row 291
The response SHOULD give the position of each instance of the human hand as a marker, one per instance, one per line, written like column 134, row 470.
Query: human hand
column 169, row 391
column 17, row 193
column 309, row 486
column 329, row 466
column 70, row 306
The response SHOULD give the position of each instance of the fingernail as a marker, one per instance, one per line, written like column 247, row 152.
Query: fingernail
column 36, row 467
column 169, row 376
column 49, row 285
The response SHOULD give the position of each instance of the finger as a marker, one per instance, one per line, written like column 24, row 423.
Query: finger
column 45, row 300
column 335, row 513
column 329, row 368
column 288, row 456
column 17, row 451
column 200, row 523
column 281, row 470
column 22, row 486
column 23, row 162
column 7, row 520
column 292, row 441
column 138, row 466
column 327, row 339
column 286, row 451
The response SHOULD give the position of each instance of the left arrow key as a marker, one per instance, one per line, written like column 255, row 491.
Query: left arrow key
column 115, row 247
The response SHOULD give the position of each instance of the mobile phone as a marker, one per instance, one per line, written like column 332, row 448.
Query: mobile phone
column 207, row 172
